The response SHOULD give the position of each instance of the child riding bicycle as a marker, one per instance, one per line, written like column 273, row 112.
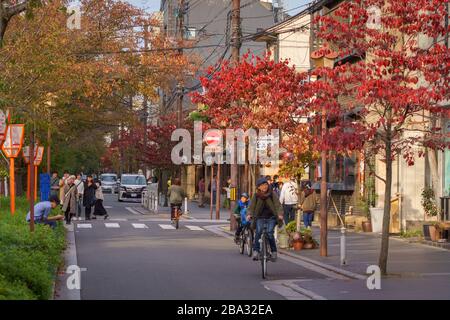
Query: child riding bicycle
column 240, row 212
column 265, row 209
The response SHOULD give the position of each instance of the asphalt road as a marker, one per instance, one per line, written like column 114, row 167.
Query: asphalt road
column 147, row 261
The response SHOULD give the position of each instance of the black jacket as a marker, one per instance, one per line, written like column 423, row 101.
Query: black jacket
column 89, row 195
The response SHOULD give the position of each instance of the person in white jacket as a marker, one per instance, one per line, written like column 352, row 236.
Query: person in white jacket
column 289, row 199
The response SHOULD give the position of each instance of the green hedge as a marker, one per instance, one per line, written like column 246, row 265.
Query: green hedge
column 28, row 261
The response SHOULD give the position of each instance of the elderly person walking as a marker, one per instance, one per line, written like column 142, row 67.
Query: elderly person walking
column 70, row 199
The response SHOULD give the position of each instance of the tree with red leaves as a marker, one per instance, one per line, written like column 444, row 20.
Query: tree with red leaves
column 397, row 83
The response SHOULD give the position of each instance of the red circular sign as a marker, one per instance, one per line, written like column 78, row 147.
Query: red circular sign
column 213, row 138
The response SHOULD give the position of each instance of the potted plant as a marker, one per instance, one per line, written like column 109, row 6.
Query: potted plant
column 297, row 241
column 365, row 208
column 309, row 242
column 295, row 237
column 431, row 210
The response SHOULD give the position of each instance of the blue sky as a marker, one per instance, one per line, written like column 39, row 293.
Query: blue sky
column 153, row 5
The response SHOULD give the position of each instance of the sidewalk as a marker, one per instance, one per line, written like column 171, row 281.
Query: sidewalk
column 405, row 259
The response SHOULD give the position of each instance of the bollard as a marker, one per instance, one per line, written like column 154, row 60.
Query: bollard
column 185, row 206
column 343, row 249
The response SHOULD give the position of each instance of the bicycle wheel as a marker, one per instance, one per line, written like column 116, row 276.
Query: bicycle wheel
column 264, row 255
column 242, row 242
column 249, row 242
column 177, row 219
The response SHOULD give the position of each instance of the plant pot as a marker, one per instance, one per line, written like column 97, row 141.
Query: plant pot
column 283, row 240
column 309, row 245
column 366, row 226
column 297, row 245
column 434, row 233
column 426, row 231
column 376, row 218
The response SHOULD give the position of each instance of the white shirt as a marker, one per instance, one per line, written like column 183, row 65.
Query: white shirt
column 288, row 193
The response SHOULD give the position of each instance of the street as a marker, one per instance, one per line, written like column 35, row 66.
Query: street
column 133, row 255
column 136, row 262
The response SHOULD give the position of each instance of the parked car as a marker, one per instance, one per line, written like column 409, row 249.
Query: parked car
column 109, row 182
column 131, row 187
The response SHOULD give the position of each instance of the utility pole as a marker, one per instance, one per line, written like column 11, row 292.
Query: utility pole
column 180, row 32
column 323, row 194
column 32, row 181
column 145, row 106
column 235, row 53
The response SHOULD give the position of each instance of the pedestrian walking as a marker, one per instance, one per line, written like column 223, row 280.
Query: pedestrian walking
column 62, row 184
column 227, row 188
column 80, row 190
column 70, row 199
column 99, row 209
column 276, row 185
column 201, row 193
column 89, row 197
column 308, row 202
column 289, row 200
column 54, row 184
column 212, row 188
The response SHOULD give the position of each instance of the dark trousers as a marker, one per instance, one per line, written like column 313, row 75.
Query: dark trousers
column 87, row 212
column 289, row 213
column 68, row 216
column 271, row 223
column 308, row 217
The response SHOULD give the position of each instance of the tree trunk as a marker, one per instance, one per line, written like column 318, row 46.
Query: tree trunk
column 387, row 209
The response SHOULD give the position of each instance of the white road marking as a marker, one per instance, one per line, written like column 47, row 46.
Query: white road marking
column 112, row 225
column 195, row 228
column 139, row 226
column 84, row 226
column 118, row 219
column 167, row 227
column 108, row 207
column 132, row 210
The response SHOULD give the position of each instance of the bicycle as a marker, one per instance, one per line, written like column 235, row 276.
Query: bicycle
column 264, row 246
column 246, row 240
column 176, row 215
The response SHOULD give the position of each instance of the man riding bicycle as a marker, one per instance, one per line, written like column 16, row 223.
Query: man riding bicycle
column 265, row 208
column 176, row 196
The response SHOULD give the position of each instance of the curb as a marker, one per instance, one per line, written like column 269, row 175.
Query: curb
column 70, row 258
column 328, row 267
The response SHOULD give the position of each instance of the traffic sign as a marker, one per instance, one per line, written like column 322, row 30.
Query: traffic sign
column 213, row 138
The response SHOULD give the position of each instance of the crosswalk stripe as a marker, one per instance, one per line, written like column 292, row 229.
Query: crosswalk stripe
column 112, row 225
column 84, row 226
column 195, row 228
column 118, row 219
column 167, row 226
column 139, row 226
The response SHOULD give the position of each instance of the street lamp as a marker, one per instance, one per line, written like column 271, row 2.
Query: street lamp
column 11, row 147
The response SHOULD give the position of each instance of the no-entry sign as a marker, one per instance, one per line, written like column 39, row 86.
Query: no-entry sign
column 213, row 138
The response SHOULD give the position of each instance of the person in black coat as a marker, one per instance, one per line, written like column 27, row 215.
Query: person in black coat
column 89, row 197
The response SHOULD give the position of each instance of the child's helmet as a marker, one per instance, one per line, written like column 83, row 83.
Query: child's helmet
column 245, row 195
